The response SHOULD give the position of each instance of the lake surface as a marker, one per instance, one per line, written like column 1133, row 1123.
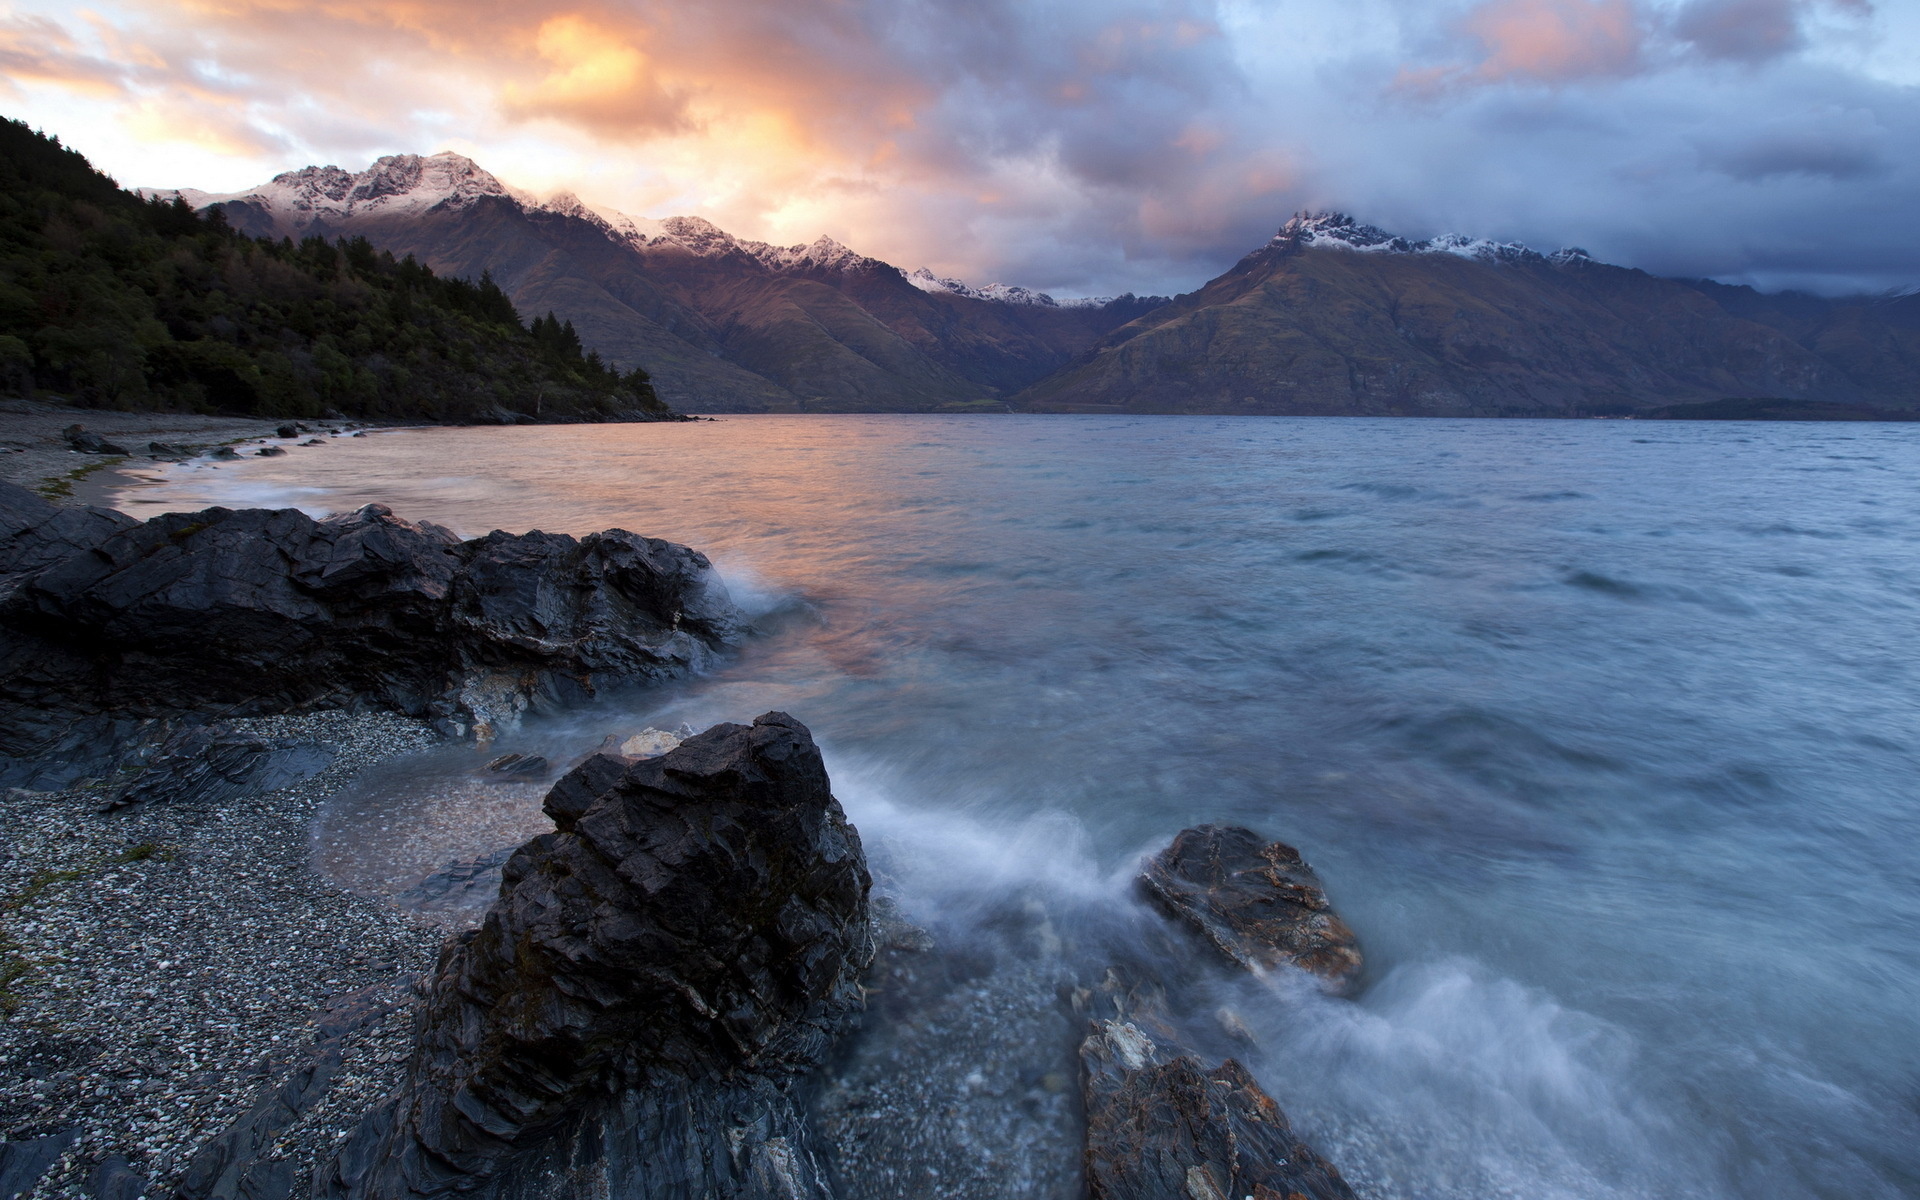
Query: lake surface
column 1603, row 736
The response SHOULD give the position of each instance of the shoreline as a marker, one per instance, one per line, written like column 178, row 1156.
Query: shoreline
column 35, row 455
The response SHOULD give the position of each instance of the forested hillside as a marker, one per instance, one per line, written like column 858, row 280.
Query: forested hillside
column 115, row 302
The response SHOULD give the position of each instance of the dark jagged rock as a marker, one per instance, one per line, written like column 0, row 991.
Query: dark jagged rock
column 628, row 1018
column 270, row 451
column 1161, row 1124
column 1256, row 901
column 256, row 611
column 211, row 766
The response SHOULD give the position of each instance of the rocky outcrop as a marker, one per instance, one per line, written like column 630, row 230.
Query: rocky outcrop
column 655, row 974
column 105, row 620
column 1256, row 901
column 1161, row 1124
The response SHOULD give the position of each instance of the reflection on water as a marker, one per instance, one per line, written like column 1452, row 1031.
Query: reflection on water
column 1603, row 739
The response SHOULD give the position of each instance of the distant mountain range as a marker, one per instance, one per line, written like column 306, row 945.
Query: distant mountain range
column 1329, row 317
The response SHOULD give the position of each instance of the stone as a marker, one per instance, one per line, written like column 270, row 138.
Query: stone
column 1255, row 901
column 1162, row 1124
column 212, row 765
column 517, row 765
column 225, row 452
column 287, row 431
column 270, row 451
column 104, row 619
column 115, row 1179
column 650, row 743
column 90, row 443
column 632, row 1014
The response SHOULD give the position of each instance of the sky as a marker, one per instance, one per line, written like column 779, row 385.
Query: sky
column 1077, row 146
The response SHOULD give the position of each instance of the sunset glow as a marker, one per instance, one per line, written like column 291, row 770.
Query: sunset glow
column 1076, row 147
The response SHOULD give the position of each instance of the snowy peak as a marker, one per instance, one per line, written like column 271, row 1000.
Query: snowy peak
column 1338, row 231
column 398, row 183
column 1000, row 293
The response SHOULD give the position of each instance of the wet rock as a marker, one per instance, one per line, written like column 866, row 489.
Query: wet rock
column 1256, row 901
column 629, row 1018
column 211, row 765
column 225, row 452
column 90, row 443
column 261, row 611
column 516, row 766
column 1162, row 1124
column 287, row 431
column 270, row 451
column 174, row 450
column 458, row 883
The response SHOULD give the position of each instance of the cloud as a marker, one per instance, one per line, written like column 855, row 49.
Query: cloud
column 1075, row 145
column 1837, row 145
column 599, row 81
column 39, row 50
column 1741, row 30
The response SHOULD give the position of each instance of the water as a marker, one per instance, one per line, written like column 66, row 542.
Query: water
column 1603, row 735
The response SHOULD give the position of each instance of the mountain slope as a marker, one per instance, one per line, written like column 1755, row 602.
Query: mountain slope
column 1332, row 317
column 721, row 324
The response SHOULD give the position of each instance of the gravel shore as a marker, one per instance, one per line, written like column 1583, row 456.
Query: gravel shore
column 34, row 454
column 161, row 966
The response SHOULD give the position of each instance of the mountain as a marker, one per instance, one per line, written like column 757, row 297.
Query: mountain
column 1335, row 317
column 118, row 302
column 720, row 323
column 1331, row 316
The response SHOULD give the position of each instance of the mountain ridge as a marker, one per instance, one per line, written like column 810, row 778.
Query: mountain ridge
column 1329, row 316
column 720, row 323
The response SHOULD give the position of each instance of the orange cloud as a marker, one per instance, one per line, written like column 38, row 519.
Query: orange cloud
column 35, row 49
column 598, row 80
column 1541, row 41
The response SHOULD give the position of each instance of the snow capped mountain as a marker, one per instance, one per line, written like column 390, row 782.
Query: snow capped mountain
column 410, row 184
column 398, row 183
column 1003, row 293
column 1339, row 231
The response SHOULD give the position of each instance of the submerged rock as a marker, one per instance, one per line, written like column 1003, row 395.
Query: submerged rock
column 654, row 976
column 104, row 619
column 1257, row 902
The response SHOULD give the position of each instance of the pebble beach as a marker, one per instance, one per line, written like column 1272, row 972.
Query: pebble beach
column 164, row 967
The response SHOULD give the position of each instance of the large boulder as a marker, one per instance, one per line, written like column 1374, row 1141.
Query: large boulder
column 106, row 621
column 654, row 976
column 1255, row 901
